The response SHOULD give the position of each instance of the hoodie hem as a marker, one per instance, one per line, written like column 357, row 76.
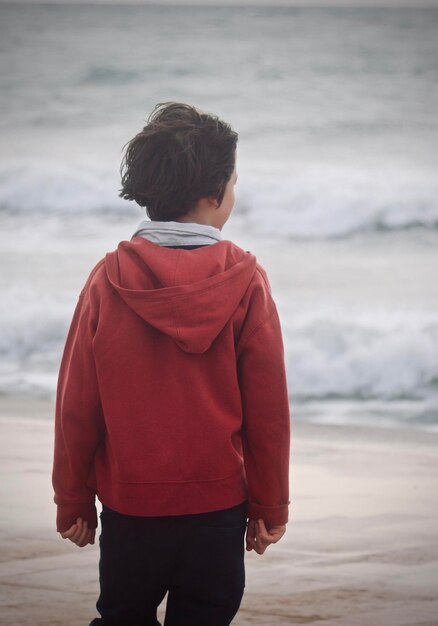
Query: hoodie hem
column 158, row 499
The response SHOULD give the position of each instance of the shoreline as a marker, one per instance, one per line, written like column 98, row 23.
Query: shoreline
column 16, row 409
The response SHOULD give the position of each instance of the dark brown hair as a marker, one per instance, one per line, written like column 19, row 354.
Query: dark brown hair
column 180, row 156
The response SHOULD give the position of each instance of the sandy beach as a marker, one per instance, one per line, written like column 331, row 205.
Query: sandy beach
column 361, row 546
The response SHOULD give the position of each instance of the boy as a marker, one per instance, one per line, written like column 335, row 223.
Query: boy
column 172, row 402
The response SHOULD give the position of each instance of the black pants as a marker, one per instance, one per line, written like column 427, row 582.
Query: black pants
column 198, row 559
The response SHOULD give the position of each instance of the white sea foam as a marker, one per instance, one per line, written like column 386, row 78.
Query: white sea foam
column 327, row 202
column 334, row 354
column 309, row 202
column 386, row 355
column 47, row 186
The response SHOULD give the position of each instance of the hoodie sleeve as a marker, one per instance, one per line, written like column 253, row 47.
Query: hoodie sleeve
column 266, row 418
column 78, row 422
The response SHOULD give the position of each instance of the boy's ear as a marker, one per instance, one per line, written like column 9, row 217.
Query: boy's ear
column 213, row 202
column 209, row 202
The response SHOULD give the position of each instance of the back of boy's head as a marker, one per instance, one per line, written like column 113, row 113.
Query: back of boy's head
column 180, row 156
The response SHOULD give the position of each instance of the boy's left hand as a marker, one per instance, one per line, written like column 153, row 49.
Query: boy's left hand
column 79, row 533
column 258, row 537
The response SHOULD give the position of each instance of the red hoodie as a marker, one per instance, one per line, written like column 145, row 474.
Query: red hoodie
column 172, row 395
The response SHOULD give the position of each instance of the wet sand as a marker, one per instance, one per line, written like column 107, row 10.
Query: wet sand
column 360, row 549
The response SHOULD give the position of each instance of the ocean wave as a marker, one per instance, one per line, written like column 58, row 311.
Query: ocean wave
column 327, row 203
column 388, row 356
column 107, row 74
column 54, row 188
column 307, row 204
column 33, row 324
column 110, row 75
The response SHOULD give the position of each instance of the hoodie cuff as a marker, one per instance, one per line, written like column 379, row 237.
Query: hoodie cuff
column 271, row 515
column 67, row 515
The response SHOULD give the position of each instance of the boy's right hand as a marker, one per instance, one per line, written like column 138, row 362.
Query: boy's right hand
column 79, row 533
column 258, row 538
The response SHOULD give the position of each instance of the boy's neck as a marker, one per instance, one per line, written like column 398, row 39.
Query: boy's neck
column 205, row 212
column 194, row 220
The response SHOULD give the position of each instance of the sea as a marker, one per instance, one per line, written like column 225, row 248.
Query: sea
column 337, row 195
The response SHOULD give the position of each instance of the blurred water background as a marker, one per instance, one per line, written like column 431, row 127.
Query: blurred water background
column 337, row 195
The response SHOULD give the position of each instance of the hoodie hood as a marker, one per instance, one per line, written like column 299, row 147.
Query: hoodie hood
column 188, row 294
